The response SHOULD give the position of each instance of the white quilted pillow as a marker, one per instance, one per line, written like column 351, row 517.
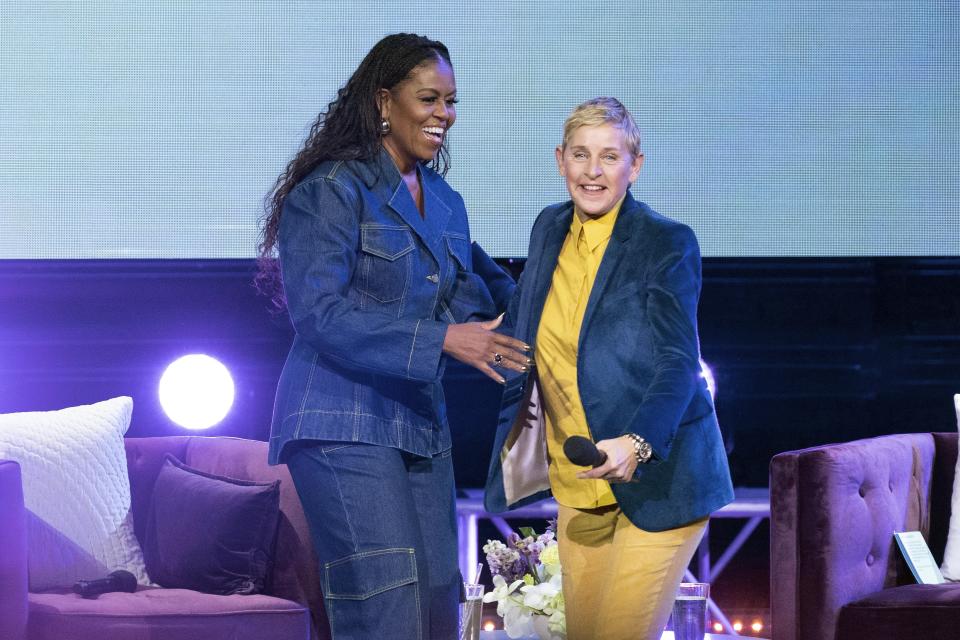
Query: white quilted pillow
column 951, row 555
column 76, row 490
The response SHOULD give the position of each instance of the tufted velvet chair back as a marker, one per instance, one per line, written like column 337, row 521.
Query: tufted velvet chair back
column 834, row 509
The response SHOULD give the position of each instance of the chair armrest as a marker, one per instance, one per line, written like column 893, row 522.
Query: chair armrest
column 13, row 554
column 833, row 511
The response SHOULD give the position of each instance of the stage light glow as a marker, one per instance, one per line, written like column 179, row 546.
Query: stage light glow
column 757, row 626
column 196, row 391
column 489, row 626
column 738, row 626
column 707, row 374
column 718, row 627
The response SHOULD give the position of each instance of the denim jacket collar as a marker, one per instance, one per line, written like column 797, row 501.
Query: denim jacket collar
column 383, row 174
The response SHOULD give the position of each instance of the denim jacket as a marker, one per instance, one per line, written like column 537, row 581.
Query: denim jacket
column 371, row 287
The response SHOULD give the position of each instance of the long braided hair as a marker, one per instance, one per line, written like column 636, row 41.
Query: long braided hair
column 348, row 130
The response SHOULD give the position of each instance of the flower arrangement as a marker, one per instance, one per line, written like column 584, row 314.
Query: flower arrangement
column 526, row 584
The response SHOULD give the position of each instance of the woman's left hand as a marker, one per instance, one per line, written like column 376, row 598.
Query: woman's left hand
column 478, row 345
column 621, row 461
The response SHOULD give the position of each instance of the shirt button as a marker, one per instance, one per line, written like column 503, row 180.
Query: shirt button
column 434, row 278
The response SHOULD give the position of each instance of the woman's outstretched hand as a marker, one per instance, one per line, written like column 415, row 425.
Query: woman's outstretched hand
column 478, row 345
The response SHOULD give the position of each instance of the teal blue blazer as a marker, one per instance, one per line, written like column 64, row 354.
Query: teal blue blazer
column 637, row 367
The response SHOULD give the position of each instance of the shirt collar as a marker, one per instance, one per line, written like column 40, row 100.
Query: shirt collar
column 596, row 230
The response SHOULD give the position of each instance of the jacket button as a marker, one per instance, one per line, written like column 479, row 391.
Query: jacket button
column 434, row 278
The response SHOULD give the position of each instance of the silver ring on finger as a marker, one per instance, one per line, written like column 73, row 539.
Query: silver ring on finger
column 497, row 359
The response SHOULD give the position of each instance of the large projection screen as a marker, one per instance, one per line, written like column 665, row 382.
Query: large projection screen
column 803, row 128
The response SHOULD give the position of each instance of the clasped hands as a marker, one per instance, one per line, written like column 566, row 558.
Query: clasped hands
column 480, row 346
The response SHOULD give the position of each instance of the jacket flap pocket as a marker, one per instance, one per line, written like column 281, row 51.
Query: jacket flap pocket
column 364, row 575
column 388, row 243
column 459, row 248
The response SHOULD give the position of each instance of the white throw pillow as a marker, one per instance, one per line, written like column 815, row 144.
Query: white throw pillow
column 76, row 490
column 951, row 555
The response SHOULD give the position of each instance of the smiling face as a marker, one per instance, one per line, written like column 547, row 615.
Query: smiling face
column 598, row 167
column 420, row 110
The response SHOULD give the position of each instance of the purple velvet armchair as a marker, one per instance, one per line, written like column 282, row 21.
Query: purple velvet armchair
column 292, row 607
column 835, row 570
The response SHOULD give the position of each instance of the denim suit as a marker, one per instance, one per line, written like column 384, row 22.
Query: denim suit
column 637, row 370
column 359, row 415
column 370, row 288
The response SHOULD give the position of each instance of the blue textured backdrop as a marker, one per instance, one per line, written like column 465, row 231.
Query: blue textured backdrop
column 810, row 127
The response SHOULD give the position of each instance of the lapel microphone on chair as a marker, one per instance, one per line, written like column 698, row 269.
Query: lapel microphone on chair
column 119, row 580
column 581, row 451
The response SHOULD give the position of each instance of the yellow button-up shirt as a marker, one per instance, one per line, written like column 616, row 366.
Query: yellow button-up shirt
column 556, row 356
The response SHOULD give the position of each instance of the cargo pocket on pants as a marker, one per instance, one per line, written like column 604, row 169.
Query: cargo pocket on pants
column 373, row 588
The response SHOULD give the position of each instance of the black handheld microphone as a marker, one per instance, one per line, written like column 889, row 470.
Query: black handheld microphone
column 119, row 580
column 581, row 451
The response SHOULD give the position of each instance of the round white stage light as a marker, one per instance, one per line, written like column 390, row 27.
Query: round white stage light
column 196, row 391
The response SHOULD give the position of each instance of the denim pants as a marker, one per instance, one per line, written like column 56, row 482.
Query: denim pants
column 384, row 528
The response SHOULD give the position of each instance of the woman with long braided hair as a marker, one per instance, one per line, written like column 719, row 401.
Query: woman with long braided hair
column 376, row 270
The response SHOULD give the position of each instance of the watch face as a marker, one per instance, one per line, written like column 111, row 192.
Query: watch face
column 645, row 451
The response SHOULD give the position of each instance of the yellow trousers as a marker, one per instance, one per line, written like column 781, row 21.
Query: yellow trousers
column 619, row 581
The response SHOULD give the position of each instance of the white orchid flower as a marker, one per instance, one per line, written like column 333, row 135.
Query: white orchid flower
column 543, row 596
column 501, row 590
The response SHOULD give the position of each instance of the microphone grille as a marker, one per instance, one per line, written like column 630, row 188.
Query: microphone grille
column 125, row 581
column 580, row 451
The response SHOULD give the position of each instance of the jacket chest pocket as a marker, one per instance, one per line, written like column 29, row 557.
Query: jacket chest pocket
column 385, row 255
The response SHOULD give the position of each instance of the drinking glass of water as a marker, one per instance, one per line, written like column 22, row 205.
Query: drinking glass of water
column 471, row 612
column 690, row 611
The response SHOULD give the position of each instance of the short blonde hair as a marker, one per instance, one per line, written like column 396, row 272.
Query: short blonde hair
column 598, row 111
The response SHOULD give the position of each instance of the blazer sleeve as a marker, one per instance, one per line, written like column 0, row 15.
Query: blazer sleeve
column 673, row 290
column 319, row 236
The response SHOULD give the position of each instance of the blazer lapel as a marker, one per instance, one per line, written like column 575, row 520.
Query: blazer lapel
column 616, row 249
column 546, row 264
